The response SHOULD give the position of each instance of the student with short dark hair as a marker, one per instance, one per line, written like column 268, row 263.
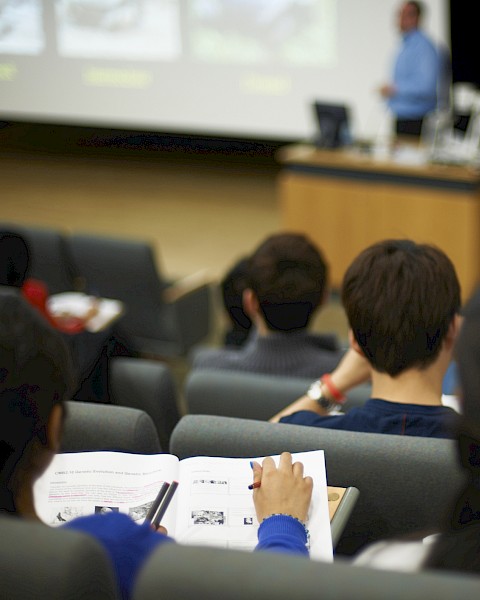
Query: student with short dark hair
column 286, row 283
column 456, row 545
column 402, row 301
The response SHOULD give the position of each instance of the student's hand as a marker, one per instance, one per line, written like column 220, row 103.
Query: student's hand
column 160, row 529
column 283, row 490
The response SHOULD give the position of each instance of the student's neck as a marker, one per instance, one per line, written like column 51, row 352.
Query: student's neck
column 24, row 502
column 414, row 386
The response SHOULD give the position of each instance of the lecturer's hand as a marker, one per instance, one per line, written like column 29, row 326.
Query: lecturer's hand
column 387, row 91
column 283, row 490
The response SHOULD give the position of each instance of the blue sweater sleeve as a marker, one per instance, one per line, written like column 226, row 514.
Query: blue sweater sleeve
column 127, row 543
column 281, row 533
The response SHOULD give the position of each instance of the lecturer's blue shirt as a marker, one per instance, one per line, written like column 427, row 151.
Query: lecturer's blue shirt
column 415, row 77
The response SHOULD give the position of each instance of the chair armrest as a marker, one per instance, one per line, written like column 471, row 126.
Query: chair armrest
column 186, row 285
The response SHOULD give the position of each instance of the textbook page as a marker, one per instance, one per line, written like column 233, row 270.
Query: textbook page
column 215, row 506
column 85, row 483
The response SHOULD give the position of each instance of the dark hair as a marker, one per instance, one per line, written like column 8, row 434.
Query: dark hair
column 418, row 7
column 400, row 298
column 14, row 259
column 288, row 275
column 35, row 374
column 232, row 286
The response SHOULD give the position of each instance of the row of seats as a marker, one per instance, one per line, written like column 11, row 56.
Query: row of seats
column 162, row 317
column 402, row 483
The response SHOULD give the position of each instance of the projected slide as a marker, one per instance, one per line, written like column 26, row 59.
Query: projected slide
column 21, row 27
column 146, row 30
column 261, row 31
column 240, row 68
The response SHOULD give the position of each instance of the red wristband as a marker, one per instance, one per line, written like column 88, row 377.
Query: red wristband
column 332, row 388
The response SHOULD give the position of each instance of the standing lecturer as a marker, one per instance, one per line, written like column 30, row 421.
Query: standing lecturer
column 413, row 92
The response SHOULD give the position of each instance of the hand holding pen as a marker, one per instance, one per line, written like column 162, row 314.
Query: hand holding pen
column 283, row 490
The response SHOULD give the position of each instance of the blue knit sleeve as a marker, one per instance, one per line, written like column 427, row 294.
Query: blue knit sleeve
column 281, row 533
column 127, row 543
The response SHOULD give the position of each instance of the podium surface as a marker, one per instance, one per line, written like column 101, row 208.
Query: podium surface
column 345, row 200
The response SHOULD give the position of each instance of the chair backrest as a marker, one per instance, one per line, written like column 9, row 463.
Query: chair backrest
column 119, row 268
column 40, row 562
column 406, row 483
column 49, row 260
column 187, row 572
column 250, row 395
column 91, row 426
column 147, row 385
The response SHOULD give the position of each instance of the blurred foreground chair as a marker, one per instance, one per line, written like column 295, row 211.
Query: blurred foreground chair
column 90, row 426
column 250, row 395
column 186, row 572
column 49, row 260
column 406, row 483
column 161, row 318
column 44, row 563
column 147, row 385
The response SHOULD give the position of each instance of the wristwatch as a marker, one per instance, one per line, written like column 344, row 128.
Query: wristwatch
column 316, row 392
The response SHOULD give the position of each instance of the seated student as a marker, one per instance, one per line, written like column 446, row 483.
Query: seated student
column 402, row 301
column 456, row 547
column 232, row 286
column 35, row 378
column 286, row 285
column 90, row 351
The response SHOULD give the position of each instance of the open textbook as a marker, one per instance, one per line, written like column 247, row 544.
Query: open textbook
column 212, row 505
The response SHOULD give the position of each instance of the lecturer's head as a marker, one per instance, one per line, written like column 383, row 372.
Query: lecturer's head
column 35, row 379
column 409, row 16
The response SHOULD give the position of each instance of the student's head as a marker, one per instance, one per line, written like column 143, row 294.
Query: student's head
column 35, row 379
column 287, row 276
column 14, row 258
column 400, row 299
column 232, row 286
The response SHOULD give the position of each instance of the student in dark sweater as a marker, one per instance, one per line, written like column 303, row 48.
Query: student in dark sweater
column 402, row 301
column 286, row 282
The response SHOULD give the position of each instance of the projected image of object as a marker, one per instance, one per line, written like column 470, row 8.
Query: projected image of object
column 256, row 31
column 21, row 28
column 125, row 29
column 103, row 14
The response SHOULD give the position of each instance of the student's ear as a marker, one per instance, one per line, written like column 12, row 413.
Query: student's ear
column 54, row 428
column 251, row 304
column 354, row 344
column 454, row 329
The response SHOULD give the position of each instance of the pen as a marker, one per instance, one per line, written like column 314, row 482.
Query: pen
column 164, row 505
column 156, row 503
column 255, row 485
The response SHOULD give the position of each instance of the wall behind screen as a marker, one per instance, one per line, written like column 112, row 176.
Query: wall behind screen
column 245, row 68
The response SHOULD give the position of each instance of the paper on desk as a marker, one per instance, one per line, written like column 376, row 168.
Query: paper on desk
column 77, row 304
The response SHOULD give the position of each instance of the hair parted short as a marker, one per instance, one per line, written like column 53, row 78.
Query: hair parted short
column 288, row 275
column 400, row 298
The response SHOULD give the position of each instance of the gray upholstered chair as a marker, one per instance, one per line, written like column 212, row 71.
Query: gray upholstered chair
column 405, row 483
column 90, row 426
column 186, row 572
column 40, row 562
column 249, row 395
column 149, row 386
column 161, row 318
column 49, row 260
